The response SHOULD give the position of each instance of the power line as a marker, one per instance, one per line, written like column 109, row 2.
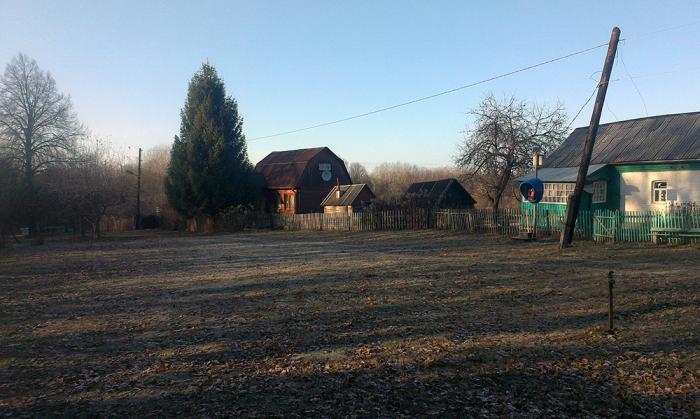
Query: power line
column 664, row 73
column 634, row 84
column 445, row 92
column 582, row 107
column 658, row 31
column 510, row 73
column 611, row 111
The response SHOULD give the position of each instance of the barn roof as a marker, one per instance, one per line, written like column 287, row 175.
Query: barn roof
column 349, row 194
column 434, row 190
column 284, row 169
column 673, row 137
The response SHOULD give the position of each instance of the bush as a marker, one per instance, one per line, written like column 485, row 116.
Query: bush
column 234, row 218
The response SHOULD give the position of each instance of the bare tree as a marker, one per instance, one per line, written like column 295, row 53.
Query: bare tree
column 154, row 201
column 38, row 128
column 359, row 174
column 504, row 136
column 92, row 185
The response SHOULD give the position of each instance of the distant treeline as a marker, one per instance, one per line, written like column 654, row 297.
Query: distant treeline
column 55, row 176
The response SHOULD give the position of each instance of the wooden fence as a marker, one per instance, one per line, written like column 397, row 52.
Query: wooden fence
column 600, row 226
column 502, row 221
column 603, row 226
column 550, row 223
column 116, row 224
column 357, row 221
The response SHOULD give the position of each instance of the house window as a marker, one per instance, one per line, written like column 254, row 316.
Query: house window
column 289, row 201
column 600, row 190
column 278, row 202
column 557, row 193
column 659, row 191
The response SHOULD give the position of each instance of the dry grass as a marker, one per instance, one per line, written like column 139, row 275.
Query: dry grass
column 364, row 324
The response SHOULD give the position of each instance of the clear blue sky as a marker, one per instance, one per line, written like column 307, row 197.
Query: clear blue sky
column 291, row 64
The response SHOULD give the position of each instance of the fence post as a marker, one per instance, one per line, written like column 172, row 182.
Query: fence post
column 611, row 283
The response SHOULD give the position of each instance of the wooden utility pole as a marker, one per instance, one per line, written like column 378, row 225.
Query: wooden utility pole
column 137, row 210
column 574, row 201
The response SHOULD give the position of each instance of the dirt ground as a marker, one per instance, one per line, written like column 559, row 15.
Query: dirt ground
column 415, row 323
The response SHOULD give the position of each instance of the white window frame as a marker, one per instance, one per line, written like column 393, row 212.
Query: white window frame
column 600, row 192
column 659, row 194
column 557, row 193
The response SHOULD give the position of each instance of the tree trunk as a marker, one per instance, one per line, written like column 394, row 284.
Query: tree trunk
column 502, row 185
column 29, row 185
column 97, row 230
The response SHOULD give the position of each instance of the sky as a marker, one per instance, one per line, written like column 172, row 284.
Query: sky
column 292, row 64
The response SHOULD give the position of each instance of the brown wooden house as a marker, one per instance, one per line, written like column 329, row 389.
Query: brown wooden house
column 297, row 181
column 347, row 199
column 440, row 194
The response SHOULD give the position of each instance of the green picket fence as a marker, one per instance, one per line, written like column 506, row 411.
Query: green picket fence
column 673, row 226
column 676, row 226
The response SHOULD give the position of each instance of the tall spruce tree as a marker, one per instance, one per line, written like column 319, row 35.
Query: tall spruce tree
column 209, row 167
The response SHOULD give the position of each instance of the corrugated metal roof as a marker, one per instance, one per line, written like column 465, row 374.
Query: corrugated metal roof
column 434, row 190
column 561, row 174
column 348, row 195
column 284, row 169
column 652, row 139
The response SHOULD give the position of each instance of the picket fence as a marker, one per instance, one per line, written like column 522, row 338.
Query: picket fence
column 600, row 226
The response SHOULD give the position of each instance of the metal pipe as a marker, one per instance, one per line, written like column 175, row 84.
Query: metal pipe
column 611, row 283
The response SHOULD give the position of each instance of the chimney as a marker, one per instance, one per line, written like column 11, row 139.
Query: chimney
column 337, row 191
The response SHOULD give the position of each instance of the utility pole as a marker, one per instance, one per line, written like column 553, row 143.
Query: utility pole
column 137, row 210
column 574, row 201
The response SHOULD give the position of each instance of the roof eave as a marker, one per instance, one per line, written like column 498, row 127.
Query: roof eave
column 655, row 161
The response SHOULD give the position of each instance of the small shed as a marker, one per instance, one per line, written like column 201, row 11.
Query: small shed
column 347, row 199
column 441, row 194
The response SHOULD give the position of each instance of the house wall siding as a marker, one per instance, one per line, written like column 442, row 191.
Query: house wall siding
column 313, row 188
column 612, row 198
column 557, row 208
column 338, row 209
column 636, row 186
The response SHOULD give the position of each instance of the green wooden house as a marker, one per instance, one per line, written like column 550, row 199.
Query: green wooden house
column 645, row 164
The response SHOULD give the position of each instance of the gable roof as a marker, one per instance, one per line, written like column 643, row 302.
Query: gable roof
column 673, row 137
column 284, row 169
column 435, row 190
column 349, row 193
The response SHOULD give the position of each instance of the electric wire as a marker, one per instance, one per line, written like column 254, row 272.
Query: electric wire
column 445, row 92
column 568, row 127
column 510, row 73
column 644, row 103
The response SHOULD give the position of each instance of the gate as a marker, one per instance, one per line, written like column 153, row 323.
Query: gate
column 605, row 224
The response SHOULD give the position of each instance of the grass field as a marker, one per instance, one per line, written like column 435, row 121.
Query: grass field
column 415, row 323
